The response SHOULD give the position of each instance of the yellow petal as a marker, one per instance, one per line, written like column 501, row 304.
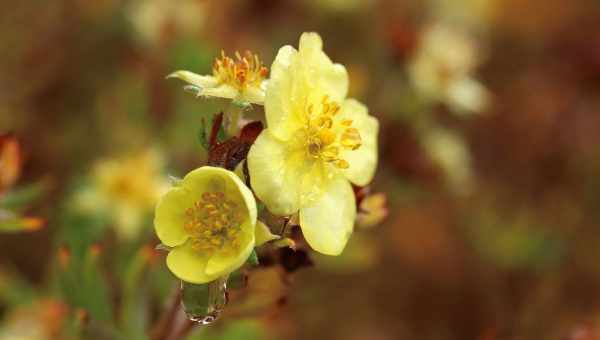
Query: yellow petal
column 254, row 95
column 225, row 261
column 273, row 176
column 327, row 223
column 221, row 91
column 362, row 161
column 194, row 79
column 170, row 216
column 322, row 74
column 208, row 178
column 281, row 116
column 263, row 234
column 188, row 264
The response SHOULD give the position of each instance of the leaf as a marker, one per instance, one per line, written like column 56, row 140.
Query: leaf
column 251, row 131
column 17, row 198
column 230, row 153
column 217, row 132
column 12, row 223
column 253, row 259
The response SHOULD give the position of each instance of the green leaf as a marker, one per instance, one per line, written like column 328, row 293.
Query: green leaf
column 204, row 132
column 253, row 258
column 203, row 135
column 17, row 198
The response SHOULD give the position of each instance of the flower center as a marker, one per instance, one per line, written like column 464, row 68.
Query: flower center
column 213, row 223
column 327, row 137
column 240, row 73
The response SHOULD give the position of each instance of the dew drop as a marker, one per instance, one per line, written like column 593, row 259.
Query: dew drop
column 217, row 300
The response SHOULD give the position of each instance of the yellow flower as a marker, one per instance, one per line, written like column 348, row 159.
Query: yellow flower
column 209, row 219
column 443, row 67
column 127, row 189
column 372, row 211
column 316, row 141
column 241, row 79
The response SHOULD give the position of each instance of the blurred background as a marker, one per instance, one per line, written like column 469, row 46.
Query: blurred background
column 489, row 163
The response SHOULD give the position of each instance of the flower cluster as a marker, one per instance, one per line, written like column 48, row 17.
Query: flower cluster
column 317, row 144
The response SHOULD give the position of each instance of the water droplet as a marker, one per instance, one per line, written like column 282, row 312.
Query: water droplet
column 217, row 300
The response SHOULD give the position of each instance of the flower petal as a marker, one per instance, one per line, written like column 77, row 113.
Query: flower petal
column 262, row 234
column 208, row 178
column 194, row 79
column 221, row 91
column 322, row 74
column 281, row 117
column 273, row 178
column 254, row 95
column 362, row 161
column 170, row 216
column 189, row 265
column 328, row 222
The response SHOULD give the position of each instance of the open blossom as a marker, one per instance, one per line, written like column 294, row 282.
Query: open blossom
column 315, row 144
column 241, row 79
column 442, row 70
column 209, row 219
column 126, row 189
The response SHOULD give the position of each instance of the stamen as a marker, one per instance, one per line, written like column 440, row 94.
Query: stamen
column 323, row 136
column 242, row 72
column 213, row 222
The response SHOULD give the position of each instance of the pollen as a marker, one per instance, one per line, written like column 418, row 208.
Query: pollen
column 242, row 72
column 327, row 136
column 213, row 223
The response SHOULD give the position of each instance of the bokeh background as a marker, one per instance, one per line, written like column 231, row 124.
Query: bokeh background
column 489, row 159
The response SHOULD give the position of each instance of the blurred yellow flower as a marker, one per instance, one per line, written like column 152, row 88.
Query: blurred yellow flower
column 153, row 19
column 372, row 211
column 442, row 70
column 209, row 219
column 241, row 79
column 449, row 151
column 42, row 320
column 126, row 189
column 316, row 141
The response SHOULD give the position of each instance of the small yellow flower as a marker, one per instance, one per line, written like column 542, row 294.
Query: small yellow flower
column 209, row 219
column 372, row 211
column 316, row 141
column 126, row 189
column 241, row 79
column 442, row 70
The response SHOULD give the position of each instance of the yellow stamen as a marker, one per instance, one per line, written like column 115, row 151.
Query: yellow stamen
column 244, row 71
column 325, row 136
column 213, row 223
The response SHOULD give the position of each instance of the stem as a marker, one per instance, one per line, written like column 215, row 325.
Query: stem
column 233, row 114
column 166, row 322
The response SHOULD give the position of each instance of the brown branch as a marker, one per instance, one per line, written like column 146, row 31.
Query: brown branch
column 165, row 324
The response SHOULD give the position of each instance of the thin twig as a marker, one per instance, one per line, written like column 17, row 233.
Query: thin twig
column 165, row 324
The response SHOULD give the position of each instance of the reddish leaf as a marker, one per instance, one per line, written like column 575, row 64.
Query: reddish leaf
column 251, row 131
